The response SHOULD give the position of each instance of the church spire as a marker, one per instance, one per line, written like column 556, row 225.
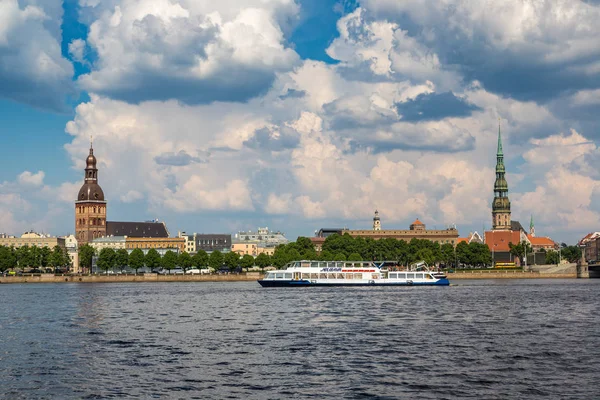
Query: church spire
column 499, row 153
column 501, row 203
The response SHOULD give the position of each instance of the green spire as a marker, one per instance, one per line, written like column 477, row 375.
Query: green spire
column 499, row 140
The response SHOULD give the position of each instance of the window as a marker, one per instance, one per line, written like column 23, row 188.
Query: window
column 288, row 275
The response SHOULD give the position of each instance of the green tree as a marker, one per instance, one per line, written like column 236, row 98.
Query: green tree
column 463, row 253
column 339, row 257
column 304, row 244
column 24, row 257
column 355, row 257
column 106, row 259
column 447, row 252
column 280, row 257
column 122, row 259
column 200, row 259
column 552, row 257
column 152, row 259
column 185, row 261
column 44, row 256
column 68, row 263
column 169, row 260
column 247, row 261
column 7, row 258
column 56, row 257
column 136, row 259
column 231, row 260
column 215, row 260
column 571, row 253
column 519, row 250
column 263, row 261
column 86, row 255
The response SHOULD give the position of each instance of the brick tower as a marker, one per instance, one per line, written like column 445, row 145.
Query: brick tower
column 90, row 206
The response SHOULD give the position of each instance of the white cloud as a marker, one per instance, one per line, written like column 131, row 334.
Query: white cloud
column 197, row 53
column 27, row 178
column 32, row 69
column 77, row 51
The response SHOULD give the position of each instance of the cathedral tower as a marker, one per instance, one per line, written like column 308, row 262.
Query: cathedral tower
column 90, row 206
column 501, row 203
column 376, row 222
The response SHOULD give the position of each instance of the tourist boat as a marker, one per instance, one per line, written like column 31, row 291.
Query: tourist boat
column 348, row 273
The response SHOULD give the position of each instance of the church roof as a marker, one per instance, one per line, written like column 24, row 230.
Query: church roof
column 499, row 240
column 516, row 226
column 137, row 229
column 540, row 241
column 417, row 222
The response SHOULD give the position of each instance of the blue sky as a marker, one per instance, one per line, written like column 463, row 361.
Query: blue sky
column 299, row 115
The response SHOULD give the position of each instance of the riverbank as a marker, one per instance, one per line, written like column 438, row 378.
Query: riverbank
column 491, row 274
column 253, row 276
column 51, row 278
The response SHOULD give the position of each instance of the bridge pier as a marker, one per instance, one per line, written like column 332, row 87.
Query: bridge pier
column 582, row 267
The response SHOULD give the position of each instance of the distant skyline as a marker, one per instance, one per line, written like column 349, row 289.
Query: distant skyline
column 224, row 116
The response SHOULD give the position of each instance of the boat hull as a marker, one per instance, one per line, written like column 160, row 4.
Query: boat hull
column 306, row 283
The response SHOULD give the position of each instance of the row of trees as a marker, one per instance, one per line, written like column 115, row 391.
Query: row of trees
column 33, row 257
column 109, row 259
column 335, row 248
column 570, row 253
column 348, row 248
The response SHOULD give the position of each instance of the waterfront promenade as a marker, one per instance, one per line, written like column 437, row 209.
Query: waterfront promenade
column 252, row 276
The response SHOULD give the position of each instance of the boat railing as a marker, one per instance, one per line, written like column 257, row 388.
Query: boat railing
column 329, row 264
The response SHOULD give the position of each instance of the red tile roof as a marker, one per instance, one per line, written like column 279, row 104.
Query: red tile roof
column 499, row 240
column 459, row 240
column 541, row 241
column 417, row 222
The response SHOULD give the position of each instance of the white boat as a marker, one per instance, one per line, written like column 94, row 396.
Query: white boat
column 348, row 273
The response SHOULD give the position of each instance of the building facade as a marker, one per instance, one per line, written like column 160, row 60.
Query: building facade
column 501, row 203
column 162, row 245
column 31, row 239
column 263, row 236
column 90, row 206
column 109, row 242
column 212, row 242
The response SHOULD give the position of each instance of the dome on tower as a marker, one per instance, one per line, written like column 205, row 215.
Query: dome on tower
column 90, row 191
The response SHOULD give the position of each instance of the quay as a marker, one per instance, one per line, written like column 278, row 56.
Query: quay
column 148, row 277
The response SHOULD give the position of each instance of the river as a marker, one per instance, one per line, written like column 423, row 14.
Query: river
column 475, row 339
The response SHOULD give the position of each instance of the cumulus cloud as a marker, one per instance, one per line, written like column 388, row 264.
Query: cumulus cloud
column 27, row 178
column 435, row 106
column 529, row 50
column 194, row 52
column 178, row 159
column 32, row 69
column 77, row 51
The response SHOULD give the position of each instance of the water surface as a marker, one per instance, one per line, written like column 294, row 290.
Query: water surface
column 476, row 339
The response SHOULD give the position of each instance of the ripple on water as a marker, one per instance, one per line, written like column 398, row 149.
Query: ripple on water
column 492, row 340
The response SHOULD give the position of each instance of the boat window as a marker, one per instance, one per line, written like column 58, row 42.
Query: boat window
column 357, row 276
column 393, row 276
column 340, row 276
column 322, row 276
column 279, row 275
column 410, row 276
column 419, row 276
column 270, row 276
column 288, row 275
column 314, row 264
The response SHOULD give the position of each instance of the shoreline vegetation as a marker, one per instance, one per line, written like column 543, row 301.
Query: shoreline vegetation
column 462, row 258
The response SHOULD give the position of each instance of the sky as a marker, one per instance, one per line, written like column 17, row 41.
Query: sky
column 222, row 116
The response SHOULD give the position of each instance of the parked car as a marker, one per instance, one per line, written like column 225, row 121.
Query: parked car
column 193, row 271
